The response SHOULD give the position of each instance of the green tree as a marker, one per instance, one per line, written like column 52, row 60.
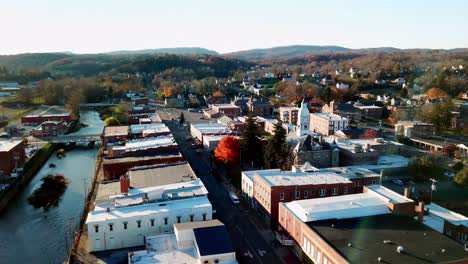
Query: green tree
column 403, row 93
column 462, row 177
column 396, row 69
column 111, row 121
column 251, row 145
column 181, row 119
column 276, row 150
column 438, row 114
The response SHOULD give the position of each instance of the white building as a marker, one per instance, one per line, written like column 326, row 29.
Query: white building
column 215, row 129
column 303, row 120
column 342, row 86
column 153, row 129
column 327, row 123
column 197, row 243
column 125, row 220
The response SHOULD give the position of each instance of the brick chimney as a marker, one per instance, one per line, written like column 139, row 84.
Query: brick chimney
column 124, row 184
column 407, row 192
column 420, row 211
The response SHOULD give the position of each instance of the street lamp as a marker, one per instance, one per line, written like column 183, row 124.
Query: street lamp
column 433, row 187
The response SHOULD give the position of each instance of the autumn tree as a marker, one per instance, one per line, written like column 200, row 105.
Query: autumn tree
column 73, row 106
column 276, row 150
column 251, row 146
column 111, row 121
column 449, row 150
column 370, row 134
column 462, row 177
column 438, row 114
column 228, row 150
column 436, row 93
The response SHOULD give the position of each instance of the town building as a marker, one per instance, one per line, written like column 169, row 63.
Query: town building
column 241, row 102
column 374, row 226
column 143, row 146
column 217, row 110
column 303, row 182
column 39, row 119
column 316, row 152
column 411, row 129
column 125, row 220
column 198, row 131
column 288, row 114
column 114, row 135
column 347, row 110
column 149, row 130
column 370, row 111
column 141, row 112
column 191, row 243
column 327, row 123
column 271, row 123
column 12, row 156
column 178, row 101
column 449, row 223
column 114, row 168
column 50, row 129
column 259, row 107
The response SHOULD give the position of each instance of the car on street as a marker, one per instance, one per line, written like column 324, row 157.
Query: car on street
column 398, row 182
column 234, row 198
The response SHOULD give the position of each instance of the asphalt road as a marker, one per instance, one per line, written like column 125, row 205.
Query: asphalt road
column 249, row 244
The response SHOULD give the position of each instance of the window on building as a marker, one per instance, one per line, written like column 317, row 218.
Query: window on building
column 281, row 196
column 357, row 183
column 125, row 224
column 345, row 190
column 191, row 218
column 111, row 227
column 165, row 220
column 298, row 194
column 335, row 191
column 178, row 218
column 216, row 261
column 152, row 222
column 306, row 194
column 138, row 223
column 96, row 228
column 323, row 192
column 204, row 217
column 373, row 182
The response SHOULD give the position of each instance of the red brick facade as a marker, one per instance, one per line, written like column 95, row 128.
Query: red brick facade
column 14, row 157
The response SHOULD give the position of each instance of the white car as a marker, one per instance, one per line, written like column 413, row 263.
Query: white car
column 234, row 198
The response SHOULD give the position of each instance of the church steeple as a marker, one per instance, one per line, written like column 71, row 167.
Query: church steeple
column 303, row 119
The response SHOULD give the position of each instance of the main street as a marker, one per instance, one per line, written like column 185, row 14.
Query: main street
column 250, row 245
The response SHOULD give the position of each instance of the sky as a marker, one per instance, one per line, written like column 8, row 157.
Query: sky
column 93, row 26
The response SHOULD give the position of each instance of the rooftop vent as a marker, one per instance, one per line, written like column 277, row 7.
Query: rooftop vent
column 387, row 242
column 349, row 244
column 400, row 249
column 379, row 259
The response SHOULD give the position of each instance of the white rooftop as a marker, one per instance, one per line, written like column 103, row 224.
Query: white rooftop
column 136, row 129
column 148, row 143
column 212, row 128
column 339, row 207
column 276, row 177
column 329, row 116
column 437, row 214
column 367, row 106
column 7, row 145
column 100, row 214
column 389, row 194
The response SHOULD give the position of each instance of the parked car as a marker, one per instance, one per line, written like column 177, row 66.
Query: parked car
column 234, row 198
column 398, row 182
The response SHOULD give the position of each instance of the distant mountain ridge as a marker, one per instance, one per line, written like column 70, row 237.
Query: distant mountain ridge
column 176, row 51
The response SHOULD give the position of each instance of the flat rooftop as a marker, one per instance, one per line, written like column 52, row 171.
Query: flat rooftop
column 212, row 240
column 339, row 207
column 192, row 225
column 112, row 131
column 377, row 236
column 148, row 143
column 101, row 215
column 161, row 174
column 136, row 129
column 9, row 144
column 329, row 116
column 276, row 177
column 161, row 155
column 438, row 215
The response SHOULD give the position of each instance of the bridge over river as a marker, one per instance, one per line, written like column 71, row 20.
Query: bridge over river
column 73, row 138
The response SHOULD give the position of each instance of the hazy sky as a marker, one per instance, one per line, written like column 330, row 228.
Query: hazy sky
column 89, row 26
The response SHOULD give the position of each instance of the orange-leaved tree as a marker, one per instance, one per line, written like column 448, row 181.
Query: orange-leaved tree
column 436, row 93
column 228, row 150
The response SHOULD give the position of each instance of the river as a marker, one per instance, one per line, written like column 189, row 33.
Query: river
column 29, row 235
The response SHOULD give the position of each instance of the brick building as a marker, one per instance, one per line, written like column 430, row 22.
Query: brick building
column 12, row 155
column 259, row 106
column 370, row 111
column 288, row 114
column 229, row 110
column 115, row 167
column 377, row 225
column 114, row 134
column 327, row 123
column 39, row 119
column 271, row 187
column 316, row 152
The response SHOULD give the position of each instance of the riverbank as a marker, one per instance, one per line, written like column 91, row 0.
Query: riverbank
column 30, row 170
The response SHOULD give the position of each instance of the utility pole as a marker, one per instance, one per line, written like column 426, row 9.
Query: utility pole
column 85, row 181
